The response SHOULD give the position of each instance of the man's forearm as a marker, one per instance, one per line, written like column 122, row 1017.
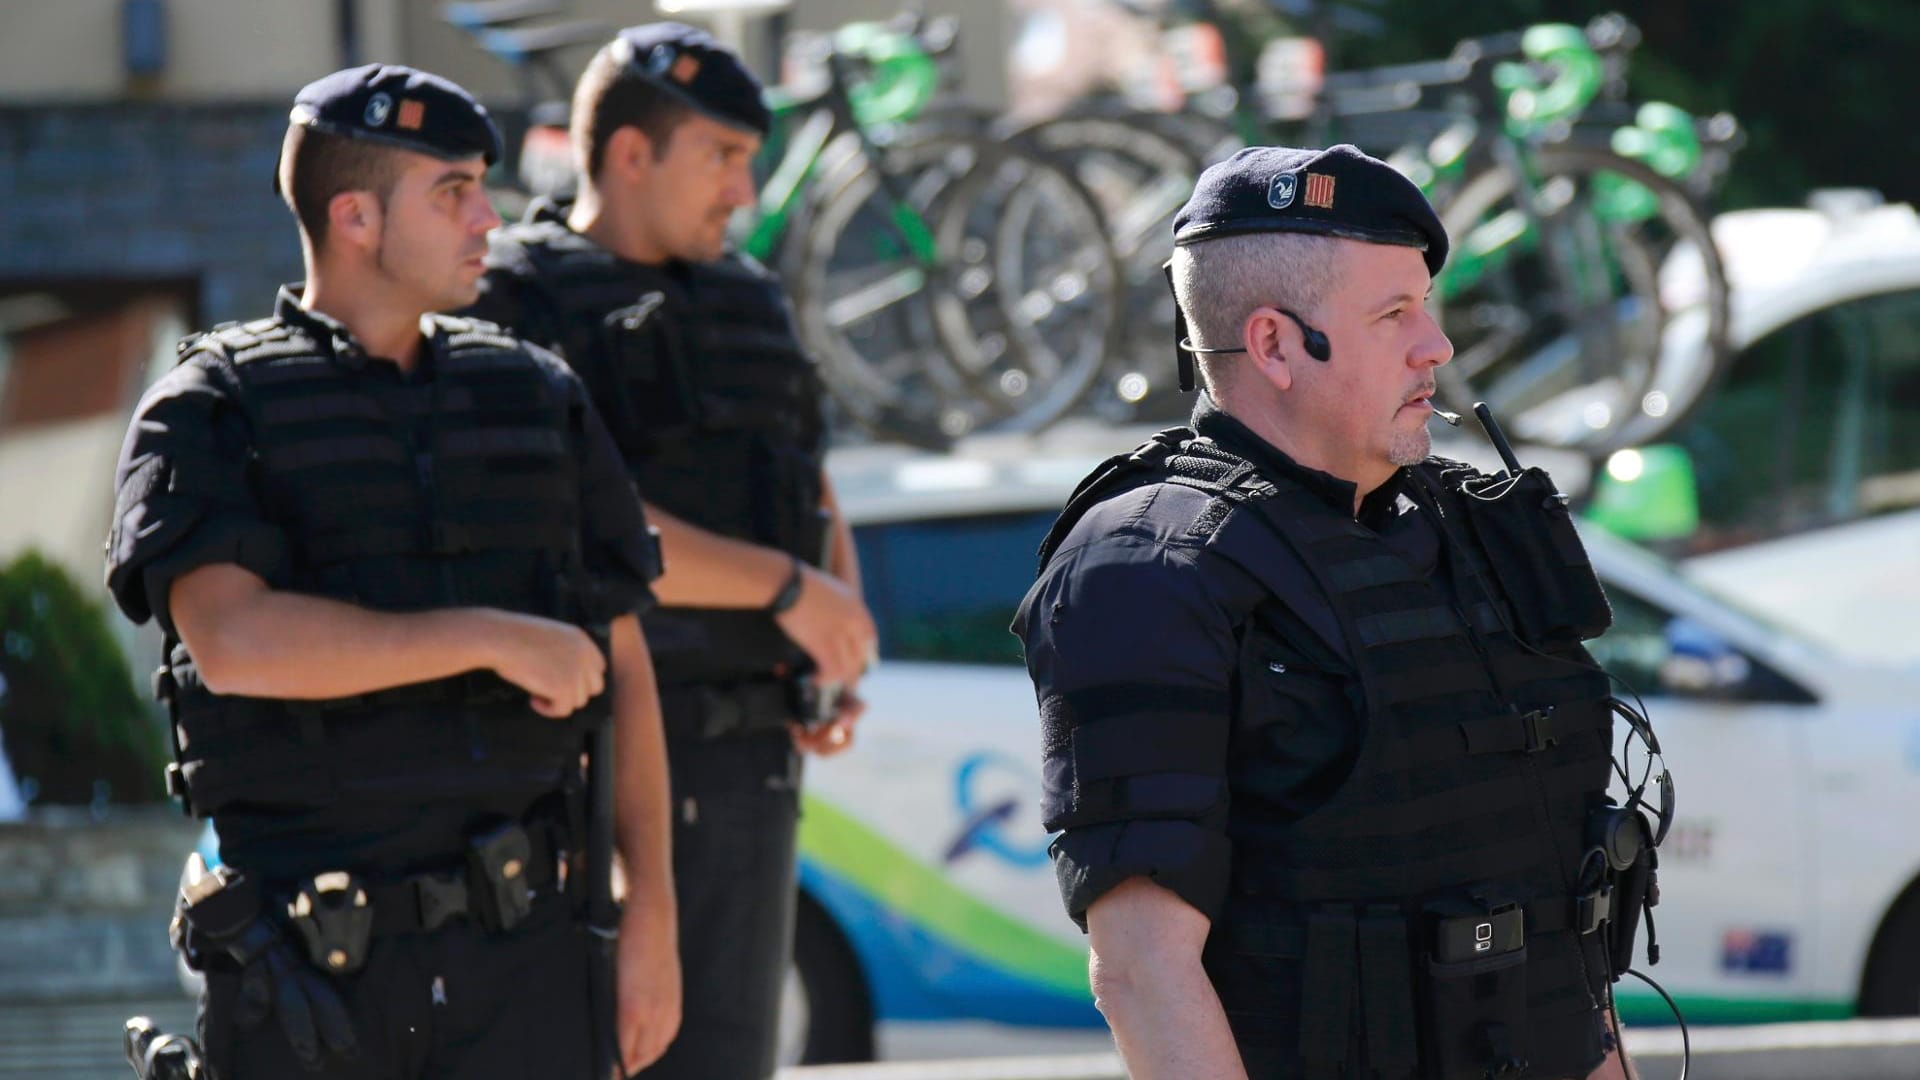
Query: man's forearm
column 641, row 803
column 290, row 645
column 1149, row 982
column 705, row 569
column 1168, row 1022
column 843, row 558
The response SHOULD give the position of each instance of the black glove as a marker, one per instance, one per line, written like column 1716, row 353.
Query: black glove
column 224, row 912
column 283, row 983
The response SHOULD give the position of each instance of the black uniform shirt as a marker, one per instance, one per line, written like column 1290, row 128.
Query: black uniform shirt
column 187, row 499
column 1136, row 626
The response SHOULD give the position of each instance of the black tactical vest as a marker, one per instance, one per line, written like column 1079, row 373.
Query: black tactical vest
column 714, row 403
column 1481, row 759
column 456, row 490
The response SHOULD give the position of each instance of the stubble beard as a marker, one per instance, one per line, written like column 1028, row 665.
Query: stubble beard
column 1410, row 447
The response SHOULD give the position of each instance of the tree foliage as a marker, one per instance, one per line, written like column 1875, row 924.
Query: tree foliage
column 1823, row 88
column 69, row 713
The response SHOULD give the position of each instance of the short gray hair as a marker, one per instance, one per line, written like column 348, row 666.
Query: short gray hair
column 1218, row 283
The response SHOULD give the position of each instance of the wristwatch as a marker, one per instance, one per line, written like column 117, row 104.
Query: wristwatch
column 789, row 593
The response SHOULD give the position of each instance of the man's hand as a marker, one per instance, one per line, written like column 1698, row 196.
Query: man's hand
column 648, row 975
column 556, row 663
column 835, row 735
column 832, row 625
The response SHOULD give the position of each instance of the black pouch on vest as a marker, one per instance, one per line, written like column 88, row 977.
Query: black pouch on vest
column 1527, row 532
column 647, row 360
column 1473, row 1020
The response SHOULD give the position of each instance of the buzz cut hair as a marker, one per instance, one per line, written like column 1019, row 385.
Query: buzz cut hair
column 611, row 95
column 1220, row 282
column 315, row 166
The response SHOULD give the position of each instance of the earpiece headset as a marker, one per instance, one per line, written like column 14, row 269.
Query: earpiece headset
column 1185, row 350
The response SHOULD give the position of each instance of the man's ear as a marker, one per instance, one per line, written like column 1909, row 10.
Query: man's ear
column 629, row 154
column 1273, row 345
column 354, row 218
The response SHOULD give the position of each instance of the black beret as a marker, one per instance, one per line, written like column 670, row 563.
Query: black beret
column 1338, row 191
column 692, row 66
column 399, row 106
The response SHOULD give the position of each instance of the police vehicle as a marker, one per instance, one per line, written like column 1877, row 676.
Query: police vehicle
column 928, row 897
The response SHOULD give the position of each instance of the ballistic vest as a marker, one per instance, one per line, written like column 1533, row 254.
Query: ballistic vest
column 714, row 403
column 460, row 489
column 1481, row 758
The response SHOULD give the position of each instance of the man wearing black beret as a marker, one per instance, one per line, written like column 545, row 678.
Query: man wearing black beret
column 691, row 353
column 398, row 566
column 1322, row 807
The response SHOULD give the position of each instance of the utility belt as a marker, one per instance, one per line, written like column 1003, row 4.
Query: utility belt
column 703, row 711
column 227, row 920
column 1443, row 994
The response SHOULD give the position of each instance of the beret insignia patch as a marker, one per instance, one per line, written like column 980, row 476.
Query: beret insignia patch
column 1280, row 191
column 1320, row 191
column 379, row 107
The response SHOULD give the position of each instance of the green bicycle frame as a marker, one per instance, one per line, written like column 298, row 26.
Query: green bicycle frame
column 897, row 81
column 1662, row 137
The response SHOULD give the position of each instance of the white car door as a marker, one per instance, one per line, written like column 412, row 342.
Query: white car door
column 1736, row 896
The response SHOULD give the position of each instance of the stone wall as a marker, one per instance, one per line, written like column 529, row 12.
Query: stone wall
column 84, row 903
column 147, row 193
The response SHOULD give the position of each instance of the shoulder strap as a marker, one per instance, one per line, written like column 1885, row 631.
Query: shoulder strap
column 1152, row 454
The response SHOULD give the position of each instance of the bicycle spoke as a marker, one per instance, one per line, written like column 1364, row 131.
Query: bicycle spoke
column 869, row 300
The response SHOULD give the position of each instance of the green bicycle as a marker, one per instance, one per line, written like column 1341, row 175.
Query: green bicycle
column 1564, row 203
column 947, row 281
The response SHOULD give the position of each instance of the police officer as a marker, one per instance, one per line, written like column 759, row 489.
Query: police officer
column 398, row 566
column 691, row 354
column 1324, row 761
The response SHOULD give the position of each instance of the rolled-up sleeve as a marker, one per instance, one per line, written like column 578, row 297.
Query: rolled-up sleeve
column 1132, row 657
column 183, row 496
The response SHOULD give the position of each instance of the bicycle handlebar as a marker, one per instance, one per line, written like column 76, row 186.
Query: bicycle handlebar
column 476, row 15
column 524, row 44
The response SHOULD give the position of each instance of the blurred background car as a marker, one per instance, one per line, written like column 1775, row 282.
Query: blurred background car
column 1795, row 482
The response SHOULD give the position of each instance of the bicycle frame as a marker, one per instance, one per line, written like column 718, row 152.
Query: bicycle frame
column 839, row 110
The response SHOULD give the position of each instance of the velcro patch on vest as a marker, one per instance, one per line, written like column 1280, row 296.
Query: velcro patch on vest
column 1357, row 574
column 1395, row 627
column 1136, row 745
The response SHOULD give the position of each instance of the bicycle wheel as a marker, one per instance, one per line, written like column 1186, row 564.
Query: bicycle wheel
column 1557, row 316
column 1004, row 329
column 1140, row 175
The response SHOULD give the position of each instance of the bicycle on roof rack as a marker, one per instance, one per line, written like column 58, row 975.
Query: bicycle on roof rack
column 1564, row 201
column 947, row 282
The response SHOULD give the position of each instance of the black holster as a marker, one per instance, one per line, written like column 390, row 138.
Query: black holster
column 1624, row 839
column 602, row 914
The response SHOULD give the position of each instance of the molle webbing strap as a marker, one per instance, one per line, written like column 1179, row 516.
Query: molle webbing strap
column 1386, row 993
column 1327, row 996
column 440, row 538
column 334, row 449
column 1152, row 454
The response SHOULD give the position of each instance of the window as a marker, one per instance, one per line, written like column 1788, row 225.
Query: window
column 1816, row 424
column 946, row 589
column 1659, row 653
